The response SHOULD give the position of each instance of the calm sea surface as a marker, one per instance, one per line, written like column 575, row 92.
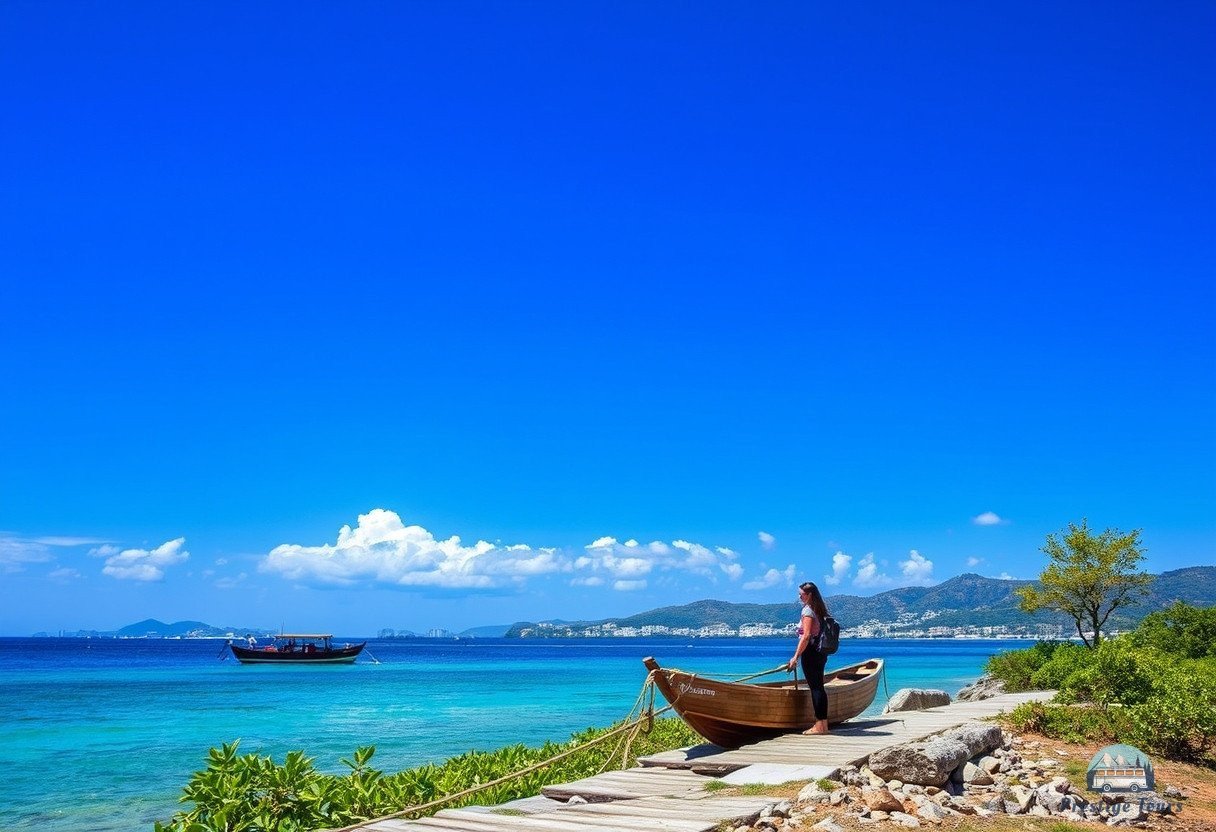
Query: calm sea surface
column 100, row 735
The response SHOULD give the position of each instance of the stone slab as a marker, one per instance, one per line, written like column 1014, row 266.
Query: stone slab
column 774, row 774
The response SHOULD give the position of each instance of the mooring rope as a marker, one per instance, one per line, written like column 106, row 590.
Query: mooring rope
column 635, row 725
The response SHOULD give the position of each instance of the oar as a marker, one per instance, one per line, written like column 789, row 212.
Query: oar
column 370, row 656
column 778, row 669
column 224, row 651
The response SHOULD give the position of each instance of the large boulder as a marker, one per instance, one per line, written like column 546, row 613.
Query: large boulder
column 924, row 763
column 985, row 688
column 931, row 763
column 916, row 699
column 979, row 737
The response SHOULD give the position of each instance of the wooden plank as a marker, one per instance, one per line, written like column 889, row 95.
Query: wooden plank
column 626, row 785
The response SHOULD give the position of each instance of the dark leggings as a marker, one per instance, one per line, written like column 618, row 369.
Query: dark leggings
column 813, row 663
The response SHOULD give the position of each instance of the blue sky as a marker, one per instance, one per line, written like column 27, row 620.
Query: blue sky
column 643, row 304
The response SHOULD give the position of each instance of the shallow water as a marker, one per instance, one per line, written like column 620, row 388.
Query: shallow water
column 101, row 734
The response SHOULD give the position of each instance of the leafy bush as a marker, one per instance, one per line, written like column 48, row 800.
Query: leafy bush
column 1016, row 668
column 1070, row 723
column 1065, row 661
column 1114, row 672
column 1181, row 630
column 1179, row 720
column 250, row 793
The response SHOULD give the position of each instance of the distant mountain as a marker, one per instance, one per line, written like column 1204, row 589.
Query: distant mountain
column 965, row 601
column 152, row 628
column 489, row 631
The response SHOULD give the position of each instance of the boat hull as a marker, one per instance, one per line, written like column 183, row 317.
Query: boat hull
column 340, row 655
column 731, row 714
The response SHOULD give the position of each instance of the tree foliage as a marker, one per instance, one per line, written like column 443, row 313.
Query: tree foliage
column 1089, row 577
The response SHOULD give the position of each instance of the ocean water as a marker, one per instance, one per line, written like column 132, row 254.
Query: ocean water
column 100, row 735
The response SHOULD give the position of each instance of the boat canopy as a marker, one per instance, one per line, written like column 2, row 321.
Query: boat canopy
column 304, row 635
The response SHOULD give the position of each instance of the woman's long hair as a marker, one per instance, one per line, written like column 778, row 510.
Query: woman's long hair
column 820, row 608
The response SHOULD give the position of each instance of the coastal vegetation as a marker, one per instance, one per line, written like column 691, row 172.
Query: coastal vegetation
column 252, row 793
column 1089, row 578
column 1154, row 687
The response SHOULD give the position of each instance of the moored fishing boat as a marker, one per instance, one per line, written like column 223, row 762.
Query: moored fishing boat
column 299, row 648
column 731, row 714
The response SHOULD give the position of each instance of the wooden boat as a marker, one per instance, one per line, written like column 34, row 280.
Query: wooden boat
column 299, row 648
column 731, row 714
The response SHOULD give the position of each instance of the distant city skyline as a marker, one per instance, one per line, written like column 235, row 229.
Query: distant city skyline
column 433, row 316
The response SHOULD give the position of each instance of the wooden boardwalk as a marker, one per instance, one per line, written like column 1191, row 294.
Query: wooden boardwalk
column 667, row 793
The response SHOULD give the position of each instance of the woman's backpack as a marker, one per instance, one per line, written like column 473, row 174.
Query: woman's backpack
column 828, row 640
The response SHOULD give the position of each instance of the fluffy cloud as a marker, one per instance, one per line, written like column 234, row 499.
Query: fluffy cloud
column 868, row 575
column 917, row 569
column 382, row 549
column 767, row 540
column 974, row 561
column 989, row 518
column 64, row 574
column 144, row 564
column 631, row 560
column 771, row 578
column 840, row 568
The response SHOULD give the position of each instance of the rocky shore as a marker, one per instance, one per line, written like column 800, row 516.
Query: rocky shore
column 974, row 771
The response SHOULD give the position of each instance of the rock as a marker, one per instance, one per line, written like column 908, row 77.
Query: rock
column 1173, row 792
column 931, row 812
column 1128, row 813
column 916, row 699
column 1022, row 798
column 975, row 776
column 985, row 688
column 838, row 797
column 1051, row 800
column 828, row 824
column 1047, row 762
column 777, row 810
column 881, row 800
column 979, row 737
column 878, row 814
column 576, row 800
column 905, row 820
column 925, row 763
column 895, row 785
column 989, row 764
column 866, row 821
column 812, row 793
column 1153, row 802
column 1039, row 812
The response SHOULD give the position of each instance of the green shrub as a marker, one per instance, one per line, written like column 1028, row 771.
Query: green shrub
column 1070, row 723
column 1179, row 719
column 1115, row 672
column 1016, row 668
column 250, row 793
column 1181, row 630
column 1065, row 661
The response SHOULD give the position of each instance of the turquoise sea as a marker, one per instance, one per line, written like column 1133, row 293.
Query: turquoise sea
column 100, row 735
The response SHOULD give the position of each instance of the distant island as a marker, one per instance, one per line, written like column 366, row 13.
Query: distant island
column 967, row 606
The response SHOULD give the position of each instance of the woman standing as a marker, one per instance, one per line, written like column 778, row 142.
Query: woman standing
column 807, row 651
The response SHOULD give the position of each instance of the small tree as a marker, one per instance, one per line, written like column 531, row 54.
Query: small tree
column 1089, row 577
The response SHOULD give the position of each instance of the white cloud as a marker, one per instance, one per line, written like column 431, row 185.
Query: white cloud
column 628, row 586
column 1005, row 576
column 974, row 561
column 989, row 518
column 145, row 564
column 16, row 552
column 868, row 575
column 381, row 549
column 767, row 540
column 64, row 574
column 840, row 569
column 771, row 578
column 917, row 569
column 68, row 540
column 104, row 551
